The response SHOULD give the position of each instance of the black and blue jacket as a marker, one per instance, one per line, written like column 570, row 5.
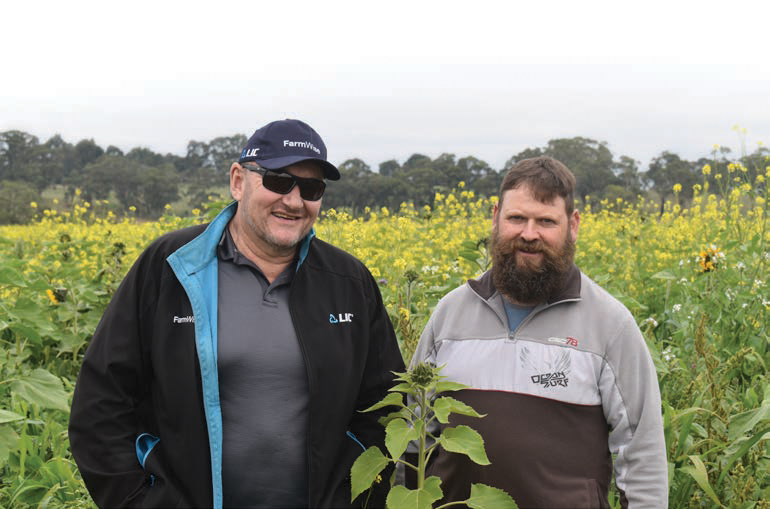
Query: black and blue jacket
column 146, row 425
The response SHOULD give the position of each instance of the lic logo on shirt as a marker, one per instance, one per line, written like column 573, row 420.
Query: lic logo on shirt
column 342, row 317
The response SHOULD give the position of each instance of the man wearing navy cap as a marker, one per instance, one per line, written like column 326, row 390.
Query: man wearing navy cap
column 231, row 365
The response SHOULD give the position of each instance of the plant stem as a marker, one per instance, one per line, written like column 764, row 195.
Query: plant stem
column 423, row 431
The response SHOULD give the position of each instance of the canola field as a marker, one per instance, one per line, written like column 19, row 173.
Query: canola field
column 694, row 275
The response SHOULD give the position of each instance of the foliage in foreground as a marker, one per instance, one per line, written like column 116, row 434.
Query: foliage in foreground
column 694, row 275
column 413, row 421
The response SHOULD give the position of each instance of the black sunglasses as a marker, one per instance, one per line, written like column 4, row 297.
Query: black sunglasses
column 283, row 183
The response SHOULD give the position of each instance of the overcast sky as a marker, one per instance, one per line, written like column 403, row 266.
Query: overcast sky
column 383, row 80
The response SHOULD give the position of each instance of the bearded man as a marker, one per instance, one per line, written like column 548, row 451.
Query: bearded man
column 559, row 366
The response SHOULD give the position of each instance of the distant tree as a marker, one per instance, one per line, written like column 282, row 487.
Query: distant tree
column 667, row 170
column 59, row 160
column 145, row 156
column 15, row 202
column 488, row 185
column 88, row 151
column 527, row 153
column 354, row 168
column 159, row 185
column 352, row 190
column 387, row 191
column 197, row 156
column 627, row 171
column 112, row 150
column 474, row 168
column 589, row 160
column 389, row 167
column 450, row 173
column 417, row 161
column 97, row 179
column 423, row 182
column 17, row 152
column 148, row 188
column 223, row 151
column 215, row 156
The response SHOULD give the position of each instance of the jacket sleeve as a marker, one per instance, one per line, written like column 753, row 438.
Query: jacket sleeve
column 632, row 406
column 426, row 348
column 104, row 424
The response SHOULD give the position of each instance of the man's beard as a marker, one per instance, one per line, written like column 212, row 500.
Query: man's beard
column 521, row 280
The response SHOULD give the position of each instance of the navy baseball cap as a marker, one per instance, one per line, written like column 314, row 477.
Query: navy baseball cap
column 285, row 142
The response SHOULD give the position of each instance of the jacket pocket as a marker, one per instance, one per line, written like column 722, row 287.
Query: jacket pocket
column 159, row 492
column 145, row 443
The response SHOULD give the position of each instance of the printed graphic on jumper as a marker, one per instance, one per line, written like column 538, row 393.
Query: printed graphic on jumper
column 569, row 341
column 551, row 379
column 556, row 370
column 184, row 319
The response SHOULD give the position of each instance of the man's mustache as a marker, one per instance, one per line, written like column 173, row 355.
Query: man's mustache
column 536, row 246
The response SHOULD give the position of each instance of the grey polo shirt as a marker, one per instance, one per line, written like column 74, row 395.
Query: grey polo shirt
column 263, row 387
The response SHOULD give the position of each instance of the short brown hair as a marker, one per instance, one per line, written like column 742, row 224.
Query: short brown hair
column 546, row 177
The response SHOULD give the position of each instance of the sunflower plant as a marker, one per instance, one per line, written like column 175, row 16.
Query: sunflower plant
column 411, row 422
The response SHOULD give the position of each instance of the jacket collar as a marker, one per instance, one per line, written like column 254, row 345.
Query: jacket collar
column 485, row 287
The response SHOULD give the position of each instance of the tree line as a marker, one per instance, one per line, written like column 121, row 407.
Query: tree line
column 147, row 181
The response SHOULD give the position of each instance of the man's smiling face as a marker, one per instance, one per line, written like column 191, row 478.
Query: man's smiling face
column 274, row 222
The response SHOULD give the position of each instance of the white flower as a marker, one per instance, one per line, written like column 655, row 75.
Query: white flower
column 759, row 282
column 740, row 266
column 677, row 307
column 652, row 321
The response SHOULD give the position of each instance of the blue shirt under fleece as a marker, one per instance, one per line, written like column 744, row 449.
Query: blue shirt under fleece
column 515, row 313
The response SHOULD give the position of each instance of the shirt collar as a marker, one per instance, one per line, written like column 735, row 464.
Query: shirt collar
column 228, row 252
